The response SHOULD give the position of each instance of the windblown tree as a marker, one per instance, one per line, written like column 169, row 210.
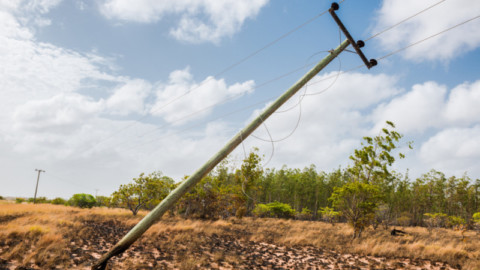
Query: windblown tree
column 370, row 178
column 145, row 192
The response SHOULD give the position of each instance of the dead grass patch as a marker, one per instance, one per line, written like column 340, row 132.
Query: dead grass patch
column 46, row 235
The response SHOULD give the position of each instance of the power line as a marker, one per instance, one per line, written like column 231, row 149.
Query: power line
column 329, row 77
column 427, row 38
column 404, row 20
column 224, row 101
column 244, row 59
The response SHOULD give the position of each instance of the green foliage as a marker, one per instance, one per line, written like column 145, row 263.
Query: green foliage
column 82, row 200
column 103, row 201
column 262, row 210
column 274, row 209
column 59, row 201
column 39, row 200
column 372, row 161
column 145, row 192
column 1, row 198
column 19, row 200
column 476, row 218
column 455, row 221
column 433, row 220
column 305, row 214
column 328, row 214
column 357, row 202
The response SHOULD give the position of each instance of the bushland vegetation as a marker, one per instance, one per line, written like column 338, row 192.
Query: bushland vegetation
column 382, row 196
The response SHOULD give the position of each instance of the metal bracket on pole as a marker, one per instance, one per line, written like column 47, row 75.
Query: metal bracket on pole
column 356, row 45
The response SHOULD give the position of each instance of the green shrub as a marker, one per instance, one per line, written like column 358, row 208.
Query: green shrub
column 274, row 209
column 19, row 200
column 328, row 214
column 261, row 210
column 39, row 200
column 1, row 198
column 103, row 201
column 306, row 214
column 281, row 210
column 59, row 200
column 82, row 200
column 454, row 221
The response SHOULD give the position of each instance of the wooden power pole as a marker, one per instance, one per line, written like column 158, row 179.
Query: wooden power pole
column 191, row 181
column 36, row 187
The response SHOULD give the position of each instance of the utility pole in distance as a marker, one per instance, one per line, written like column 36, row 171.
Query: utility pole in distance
column 36, row 188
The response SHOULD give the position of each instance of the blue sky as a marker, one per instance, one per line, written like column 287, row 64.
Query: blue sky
column 87, row 87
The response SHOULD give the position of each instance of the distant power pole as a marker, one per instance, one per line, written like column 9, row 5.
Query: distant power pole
column 36, row 188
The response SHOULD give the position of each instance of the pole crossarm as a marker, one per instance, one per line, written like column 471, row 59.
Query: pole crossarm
column 356, row 45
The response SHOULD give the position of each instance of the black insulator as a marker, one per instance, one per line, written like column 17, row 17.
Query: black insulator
column 360, row 43
column 373, row 62
column 335, row 6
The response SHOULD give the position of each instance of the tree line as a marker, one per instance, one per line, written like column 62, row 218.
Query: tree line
column 368, row 192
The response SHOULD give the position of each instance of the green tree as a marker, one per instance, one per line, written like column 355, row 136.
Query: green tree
column 274, row 209
column 82, row 200
column 103, row 201
column 357, row 202
column 370, row 177
column 329, row 215
column 145, row 192
column 59, row 201
column 371, row 163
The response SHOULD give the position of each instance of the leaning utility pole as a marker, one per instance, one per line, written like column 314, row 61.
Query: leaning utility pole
column 191, row 181
column 36, row 187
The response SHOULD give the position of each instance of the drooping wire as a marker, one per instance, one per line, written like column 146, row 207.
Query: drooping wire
column 404, row 20
column 299, row 104
column 220, row 102
column 345, row 71
column 228, row 68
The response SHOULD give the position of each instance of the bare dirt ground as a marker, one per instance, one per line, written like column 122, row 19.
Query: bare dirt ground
column 223, row 247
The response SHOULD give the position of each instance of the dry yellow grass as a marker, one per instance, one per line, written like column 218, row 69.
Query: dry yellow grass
column 42, row 233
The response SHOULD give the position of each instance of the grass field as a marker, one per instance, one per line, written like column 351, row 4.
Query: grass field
column 58, row 237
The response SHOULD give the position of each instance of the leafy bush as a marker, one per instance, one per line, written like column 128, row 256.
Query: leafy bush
column 476, row 218
column 328, row 214
column 306, row 214
column 1, row 198
column 39, row 200
column 476, row 221
column 262, row 210
column 454, row 221
column 103, row 201
column 19, row 200
column 435, row 220
column 274, row 209
column 82, row 200
column 59, row 201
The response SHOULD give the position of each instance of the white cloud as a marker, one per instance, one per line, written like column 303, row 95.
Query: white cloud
column 415, row 111
column 463, row 104
column 331, row 124
column 61, row 113
column 129, row 98
column 200, row 20
column 454, row 149
column 199, row 101
column 430, row 105
column 447, row 14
